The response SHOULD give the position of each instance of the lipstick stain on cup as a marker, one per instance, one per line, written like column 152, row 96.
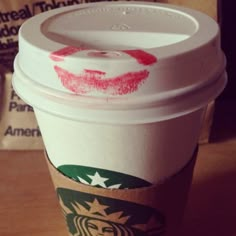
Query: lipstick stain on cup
column 94, row 80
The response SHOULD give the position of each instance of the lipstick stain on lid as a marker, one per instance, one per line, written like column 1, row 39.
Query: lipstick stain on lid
column 142, row 57
column 60, row 54
column 93, row 80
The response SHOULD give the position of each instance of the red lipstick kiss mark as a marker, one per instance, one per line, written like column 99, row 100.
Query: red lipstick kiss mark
column 142, row 57
column 64, row 52
column 92, row 80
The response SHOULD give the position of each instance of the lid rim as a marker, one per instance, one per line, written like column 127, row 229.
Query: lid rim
column 119, row 102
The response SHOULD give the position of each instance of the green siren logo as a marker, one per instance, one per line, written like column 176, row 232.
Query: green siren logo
column 92, row 215
column 102, row 178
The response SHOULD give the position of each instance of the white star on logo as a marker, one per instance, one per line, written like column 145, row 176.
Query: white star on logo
column 98, row 180
column 115, row 186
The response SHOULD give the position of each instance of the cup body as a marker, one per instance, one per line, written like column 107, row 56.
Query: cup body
column 151, row 152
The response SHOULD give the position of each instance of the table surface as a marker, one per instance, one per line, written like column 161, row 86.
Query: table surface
column 29, row 205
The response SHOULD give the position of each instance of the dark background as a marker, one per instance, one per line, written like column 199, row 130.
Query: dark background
column 227, row 14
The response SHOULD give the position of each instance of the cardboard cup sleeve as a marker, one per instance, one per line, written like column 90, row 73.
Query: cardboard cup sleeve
column 155, row 210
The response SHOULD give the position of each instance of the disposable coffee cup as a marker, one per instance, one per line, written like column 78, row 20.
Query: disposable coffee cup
column 118, row 90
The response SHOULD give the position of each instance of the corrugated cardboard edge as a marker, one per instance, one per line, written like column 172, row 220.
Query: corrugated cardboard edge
column 207, row 7
column 212, row 9
column 207, row 123
column 168, row 197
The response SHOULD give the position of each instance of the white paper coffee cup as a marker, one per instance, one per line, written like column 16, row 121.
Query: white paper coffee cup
column 120, row 86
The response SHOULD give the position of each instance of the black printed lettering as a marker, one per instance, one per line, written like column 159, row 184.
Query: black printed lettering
column 14, row 95
column 22, row 13
column 14, row 106
column 45, row 6
column 7, row 30
column 10, row 131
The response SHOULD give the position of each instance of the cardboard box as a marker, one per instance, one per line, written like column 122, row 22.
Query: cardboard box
column 22, row 122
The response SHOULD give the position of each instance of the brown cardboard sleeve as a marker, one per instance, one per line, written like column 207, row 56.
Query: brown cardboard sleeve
column 155, row 210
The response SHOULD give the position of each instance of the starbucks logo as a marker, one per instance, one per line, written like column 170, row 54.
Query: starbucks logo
column 102, row 178
column 92, row 215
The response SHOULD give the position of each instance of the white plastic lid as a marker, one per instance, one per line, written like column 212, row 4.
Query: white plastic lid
column 119, row 62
